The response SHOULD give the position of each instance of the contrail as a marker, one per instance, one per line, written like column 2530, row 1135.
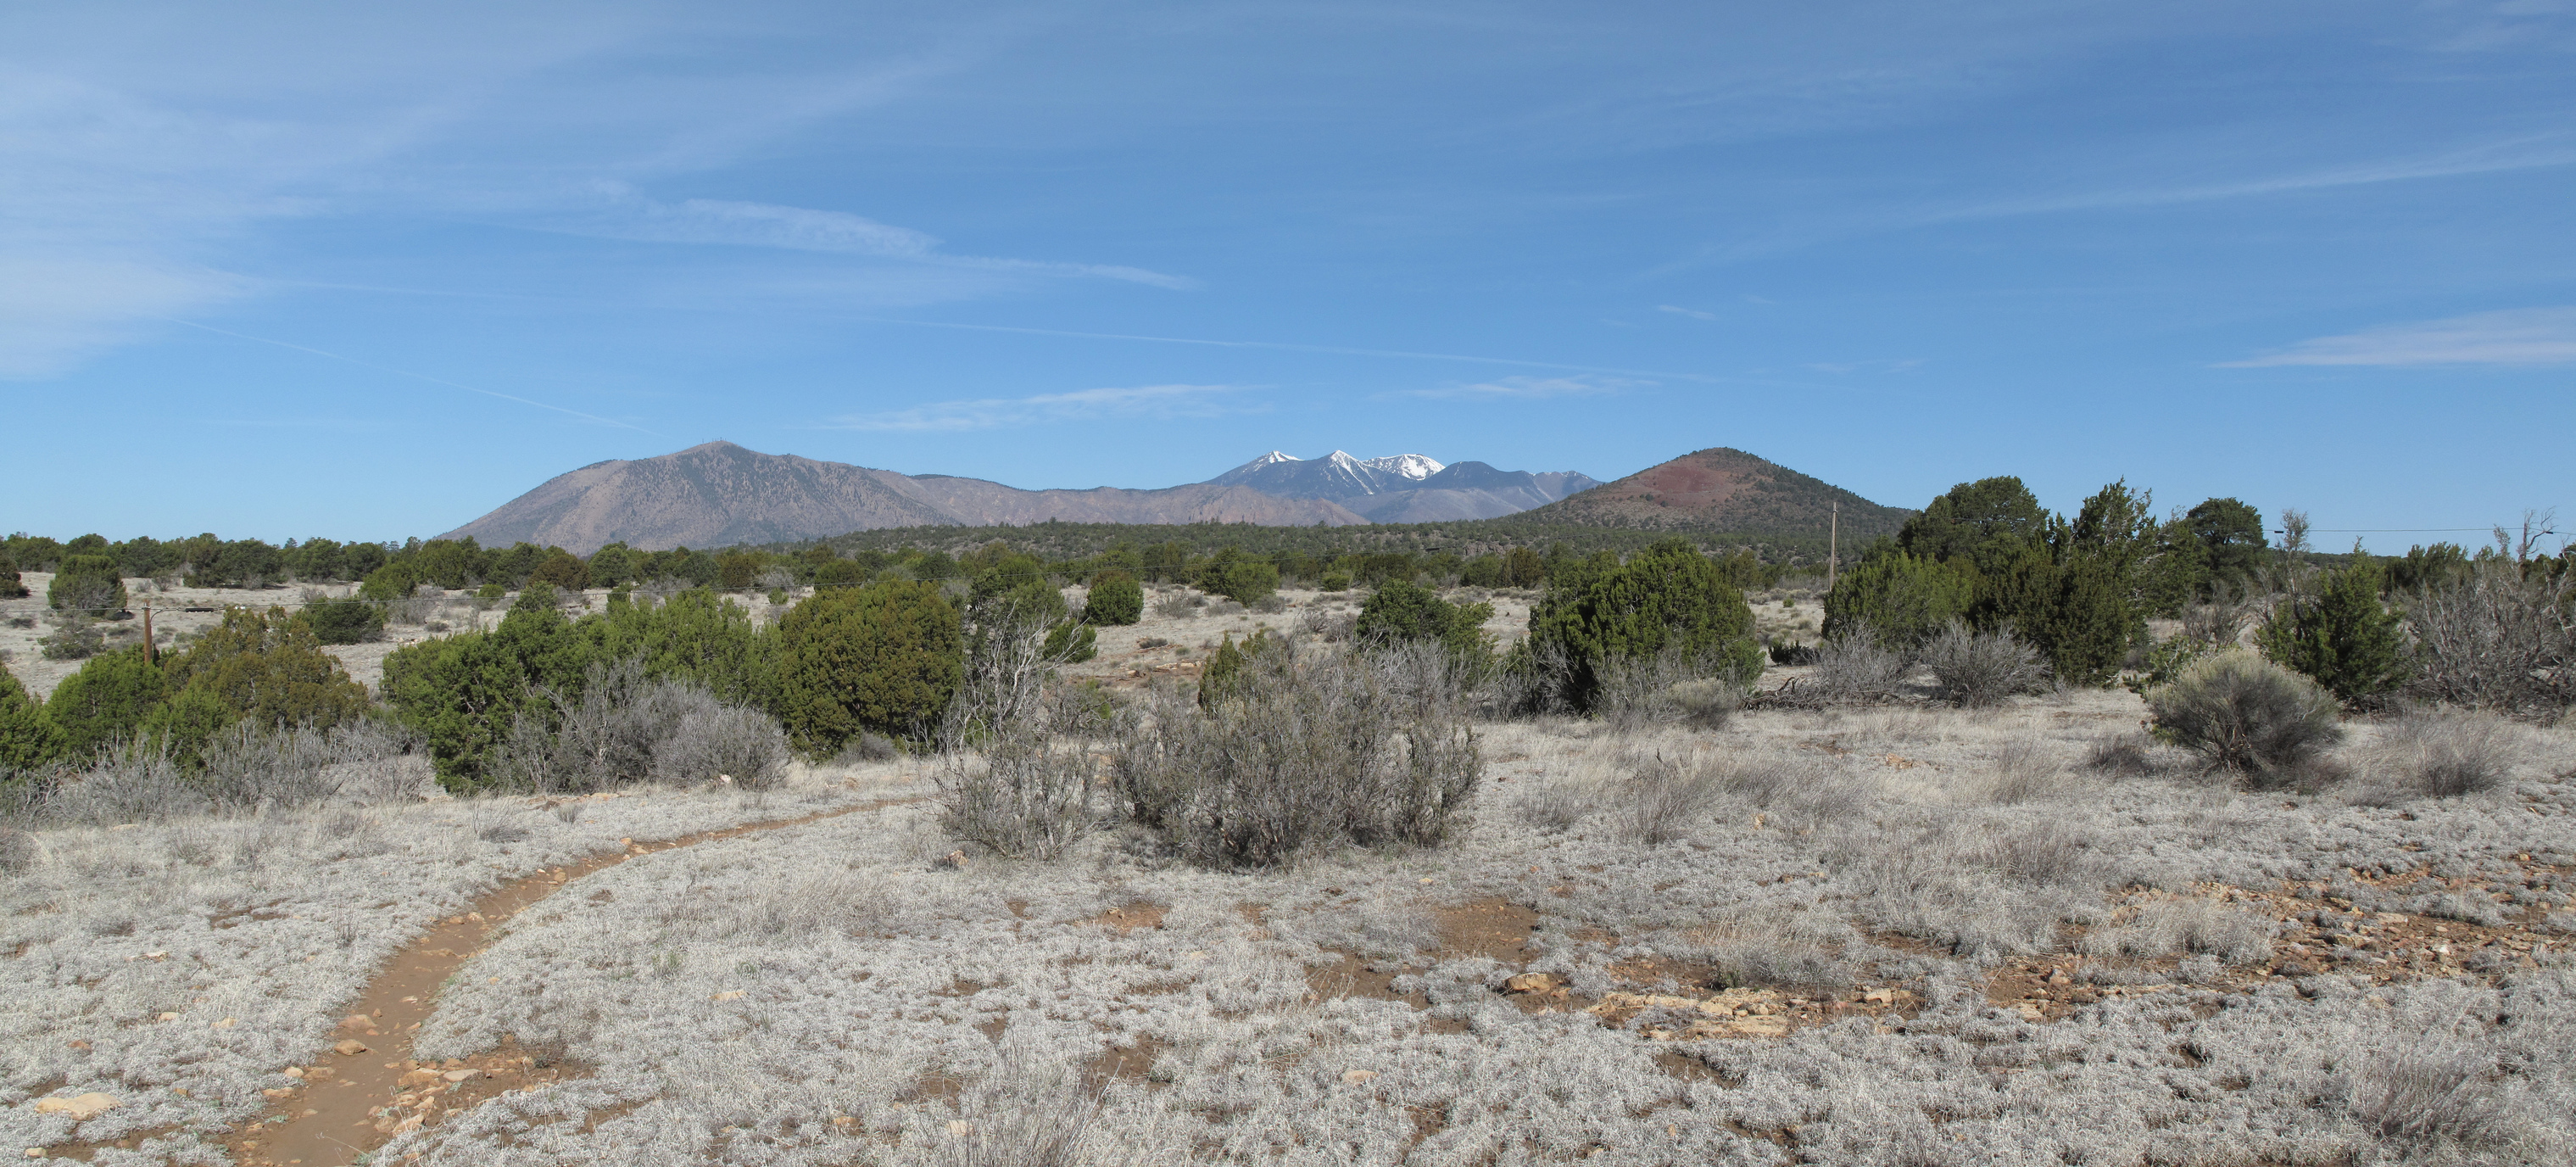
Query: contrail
column 415, row 376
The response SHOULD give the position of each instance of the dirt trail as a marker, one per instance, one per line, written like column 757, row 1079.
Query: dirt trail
column 343, row 1109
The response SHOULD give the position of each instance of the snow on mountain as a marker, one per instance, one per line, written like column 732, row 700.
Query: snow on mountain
column 1412, row 466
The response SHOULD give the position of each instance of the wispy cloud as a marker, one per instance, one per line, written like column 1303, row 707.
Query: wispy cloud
column 54, row 312
column 1693, row 313
column 1151, row 401
column 1532, row 388
column 2521, row 336
column 629, row 215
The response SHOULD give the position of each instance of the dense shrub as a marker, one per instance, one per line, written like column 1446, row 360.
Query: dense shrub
column 1024, row 795
column 269, row 668
column 2245, row 713
column 1239, row 577
column 1904, row 600
column 2342, row 636
column 349, row 620
column 76, row 636
column 696, row 636
column 1400, row 612
column 561, row 570
column 626, row 727
column 883, row 658
column 28, row 738
column 1223, row 677
column 2075, row 611
column 2231, row 536
column 105, row 701
column 1308, row 752
column 1668, row 598
column 1981, row 669
column 1986, row 523
column 12, row 586
column 1853, row 665
column 2502, row 639
column 87, row 583
column 393, row 581
column 462, row 694
column 1116, row 599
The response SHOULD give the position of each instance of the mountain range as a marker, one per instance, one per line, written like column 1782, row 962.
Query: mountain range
column 721, row 494
column 1405, row 488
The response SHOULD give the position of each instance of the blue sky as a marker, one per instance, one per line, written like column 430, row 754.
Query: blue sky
column 370, row 271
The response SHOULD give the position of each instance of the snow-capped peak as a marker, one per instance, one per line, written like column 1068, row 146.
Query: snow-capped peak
column 1412, row 466
column 1272, row 458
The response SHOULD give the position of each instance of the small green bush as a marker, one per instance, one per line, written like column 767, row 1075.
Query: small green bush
column 269, row 668
column 562, row 570
column 28, row 738
column 1116, row 599
column 1669, row 598
column 87, row 583
column 1223, row 677
column 1071, row 643
column 106, row 701
column 348, row 620
column 1400, row 612
column 1903, row 599
column 12, row 586
column 393, row 581
column 1334, row 581
column 1239, row 577
column 2342, row 636
column 883, row 658
column 2245, row 713
column 2075, row 612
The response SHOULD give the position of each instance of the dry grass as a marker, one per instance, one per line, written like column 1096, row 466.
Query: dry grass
column 2440, row 754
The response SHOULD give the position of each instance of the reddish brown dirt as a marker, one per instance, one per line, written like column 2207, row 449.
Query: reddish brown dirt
column 353, row 1102
column 2386, row 947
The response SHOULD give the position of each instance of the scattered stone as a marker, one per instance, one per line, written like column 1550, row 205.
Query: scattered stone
column 82, row 1108
column 350, row 1048
column 729, row 995
column 960, row 1127
column 226, row 1023
column 1355, row 1077
column 2030, row 1011
column 1530, row 983
column 294, row 1071
column 458, row 1075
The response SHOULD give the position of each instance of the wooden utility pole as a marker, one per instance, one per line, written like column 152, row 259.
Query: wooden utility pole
column 1833, row 544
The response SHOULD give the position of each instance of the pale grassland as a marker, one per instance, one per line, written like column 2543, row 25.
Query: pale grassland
column 838, row 992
